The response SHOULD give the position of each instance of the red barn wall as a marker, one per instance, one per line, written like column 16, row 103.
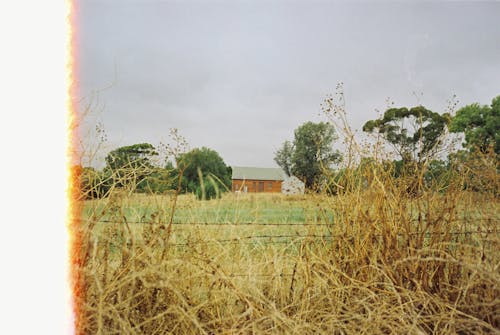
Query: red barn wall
column 256, row 186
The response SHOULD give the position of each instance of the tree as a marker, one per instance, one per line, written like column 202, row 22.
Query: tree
column 132, row 156
column 415, row 133
column 208, row 164
column 159, row 181
column 283, row 157
column 481, row 126
column 311, row 153
column 129, row 165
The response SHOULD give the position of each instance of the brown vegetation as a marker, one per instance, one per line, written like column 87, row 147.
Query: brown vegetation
column 372, row 260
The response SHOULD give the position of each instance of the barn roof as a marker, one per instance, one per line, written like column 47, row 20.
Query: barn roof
column 241, row 172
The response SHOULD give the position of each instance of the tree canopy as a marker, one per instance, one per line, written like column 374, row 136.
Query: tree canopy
column 132, row 156
column 415, row 133
column 311, row 153
column 480, row 124
column 130, row 165
column 210, row 165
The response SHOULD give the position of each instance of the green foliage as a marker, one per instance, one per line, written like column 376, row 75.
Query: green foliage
column 158, row 181
column 311, row 155
column 132, row 156
column 481, row 126
column 130, row 165
column 438, row 175
column 479, row 171
column 207, row 189
column 94, row 184
column 415, row 133
column 204, row 162
column 345, row 180
column 283, row 157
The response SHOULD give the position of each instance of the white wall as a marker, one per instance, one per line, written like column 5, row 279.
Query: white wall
column 292, row 185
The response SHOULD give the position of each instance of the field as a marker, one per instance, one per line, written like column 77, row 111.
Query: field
column 370, row 261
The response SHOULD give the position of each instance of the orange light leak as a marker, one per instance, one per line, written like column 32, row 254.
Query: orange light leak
column 74, row 171
column 74, row 207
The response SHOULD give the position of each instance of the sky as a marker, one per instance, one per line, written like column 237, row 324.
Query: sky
column 239, row 76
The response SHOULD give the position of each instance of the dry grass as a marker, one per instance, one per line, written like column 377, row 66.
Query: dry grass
column 370, row 260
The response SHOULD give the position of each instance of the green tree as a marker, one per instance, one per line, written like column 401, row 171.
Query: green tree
column 208, row 164
column 311, row 153
column 129, row 165
column 283, row 157
column 415, row 133
column 207, row 189
column 481, row 126
column 132, row 156
column 158, row 181
column 439, row 175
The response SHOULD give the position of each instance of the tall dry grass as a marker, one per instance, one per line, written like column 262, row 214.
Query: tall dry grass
column 373, row 260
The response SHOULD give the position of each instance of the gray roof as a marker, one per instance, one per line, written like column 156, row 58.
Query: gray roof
column 240, row 172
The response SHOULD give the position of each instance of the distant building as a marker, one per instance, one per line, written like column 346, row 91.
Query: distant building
column 267, row 180
column 252, row 179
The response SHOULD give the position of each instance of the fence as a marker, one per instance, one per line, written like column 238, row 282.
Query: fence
column 282, row 239
column 241, row 239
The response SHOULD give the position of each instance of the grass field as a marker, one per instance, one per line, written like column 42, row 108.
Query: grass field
column 253, row 220
column 369, row 261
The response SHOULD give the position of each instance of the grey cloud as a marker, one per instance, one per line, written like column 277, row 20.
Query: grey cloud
column 240, row 76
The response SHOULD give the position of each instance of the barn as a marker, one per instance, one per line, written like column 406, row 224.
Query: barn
column 254, row 179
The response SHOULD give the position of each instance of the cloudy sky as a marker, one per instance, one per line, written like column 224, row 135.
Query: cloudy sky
column 240, row 76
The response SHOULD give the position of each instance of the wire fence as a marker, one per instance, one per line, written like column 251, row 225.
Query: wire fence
column 296, row 238
column 299, row 238
column 212, row 223
column 242, row 224
column 487, row 236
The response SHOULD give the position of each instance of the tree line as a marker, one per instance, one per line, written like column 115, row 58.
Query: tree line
column 415, row 134
column 134, row 169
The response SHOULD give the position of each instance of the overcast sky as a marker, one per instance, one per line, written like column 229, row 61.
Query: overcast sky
column 240, row 76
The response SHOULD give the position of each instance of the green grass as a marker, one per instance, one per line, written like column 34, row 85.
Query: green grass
column 231, row 208
column 253, row 222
